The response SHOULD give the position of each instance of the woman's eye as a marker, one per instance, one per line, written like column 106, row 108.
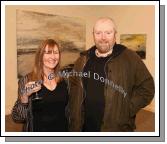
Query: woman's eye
column 50, row 52
column 55, row 52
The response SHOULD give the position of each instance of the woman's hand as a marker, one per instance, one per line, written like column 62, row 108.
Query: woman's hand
column 30, row 88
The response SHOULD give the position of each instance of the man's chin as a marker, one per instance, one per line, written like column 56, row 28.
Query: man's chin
column 103, row 50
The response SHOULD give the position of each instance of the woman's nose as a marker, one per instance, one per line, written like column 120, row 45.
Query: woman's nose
column 52, row 54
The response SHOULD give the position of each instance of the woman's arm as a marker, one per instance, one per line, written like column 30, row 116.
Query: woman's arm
column 20, row 109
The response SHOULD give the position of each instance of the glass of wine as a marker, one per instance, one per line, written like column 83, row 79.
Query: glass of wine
column 36, row 96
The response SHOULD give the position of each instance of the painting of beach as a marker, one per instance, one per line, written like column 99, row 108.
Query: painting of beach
column 135, row 42
column 34, row 27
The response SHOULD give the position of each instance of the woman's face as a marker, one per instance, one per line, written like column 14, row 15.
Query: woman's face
column 51, row 57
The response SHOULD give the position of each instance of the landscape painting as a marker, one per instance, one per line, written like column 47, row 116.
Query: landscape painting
column 136, row 42
column 33, row 27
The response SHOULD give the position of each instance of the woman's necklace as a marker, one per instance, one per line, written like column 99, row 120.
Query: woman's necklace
column 50, row 84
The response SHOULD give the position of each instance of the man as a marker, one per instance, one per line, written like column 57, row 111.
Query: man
column 114, row 86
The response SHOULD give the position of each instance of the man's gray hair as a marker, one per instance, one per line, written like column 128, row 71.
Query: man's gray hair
column 107, row 19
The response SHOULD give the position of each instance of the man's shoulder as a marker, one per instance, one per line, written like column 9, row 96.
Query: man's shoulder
column 88, row 51
column 124, row 48
column 132, row 53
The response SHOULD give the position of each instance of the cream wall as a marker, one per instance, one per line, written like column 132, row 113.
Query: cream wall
column 129, row 19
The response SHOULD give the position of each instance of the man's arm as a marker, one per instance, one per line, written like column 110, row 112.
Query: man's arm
column 143, row 90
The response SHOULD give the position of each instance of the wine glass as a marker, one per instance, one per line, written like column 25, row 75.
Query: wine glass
column 36, row 96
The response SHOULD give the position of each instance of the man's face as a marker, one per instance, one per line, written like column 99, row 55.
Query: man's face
column 104, row 35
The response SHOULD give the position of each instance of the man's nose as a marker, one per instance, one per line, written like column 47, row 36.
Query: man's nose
column 103, row 36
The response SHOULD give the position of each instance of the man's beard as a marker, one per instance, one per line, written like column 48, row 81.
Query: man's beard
column 103, row 47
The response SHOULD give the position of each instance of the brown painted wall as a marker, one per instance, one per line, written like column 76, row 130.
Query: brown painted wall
column 129, row 19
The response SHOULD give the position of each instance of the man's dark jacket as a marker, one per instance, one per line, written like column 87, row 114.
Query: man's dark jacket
column 129, row 88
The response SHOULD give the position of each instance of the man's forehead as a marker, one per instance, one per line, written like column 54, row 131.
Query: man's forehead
column 106, row 25
column 104, row 22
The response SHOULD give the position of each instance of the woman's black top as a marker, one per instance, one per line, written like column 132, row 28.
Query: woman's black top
column 49, row 111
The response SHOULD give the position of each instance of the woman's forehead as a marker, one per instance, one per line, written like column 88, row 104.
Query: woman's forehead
column 51, row 47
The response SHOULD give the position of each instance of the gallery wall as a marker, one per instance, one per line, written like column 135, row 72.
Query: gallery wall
column 129, row 20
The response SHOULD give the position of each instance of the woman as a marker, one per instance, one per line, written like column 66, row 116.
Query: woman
column 45, row 113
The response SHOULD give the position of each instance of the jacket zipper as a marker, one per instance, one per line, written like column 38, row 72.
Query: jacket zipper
column 106, row 78
column 105, row 66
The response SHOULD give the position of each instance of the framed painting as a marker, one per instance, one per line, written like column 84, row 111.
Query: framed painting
column 33, row 27
column 135, row 42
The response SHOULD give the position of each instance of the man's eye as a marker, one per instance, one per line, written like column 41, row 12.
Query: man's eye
column 110, row 32
column 97, row 33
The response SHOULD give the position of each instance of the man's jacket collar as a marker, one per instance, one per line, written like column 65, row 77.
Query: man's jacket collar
column 117, row 50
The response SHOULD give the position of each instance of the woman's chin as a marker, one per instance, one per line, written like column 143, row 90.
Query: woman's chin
column 51, row 66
